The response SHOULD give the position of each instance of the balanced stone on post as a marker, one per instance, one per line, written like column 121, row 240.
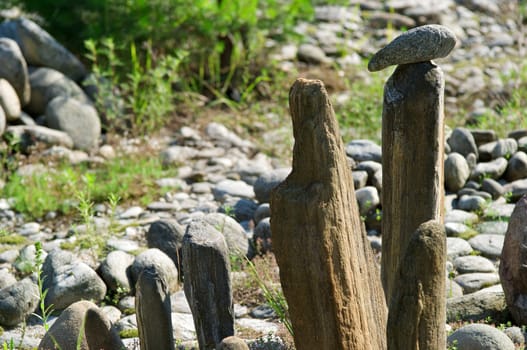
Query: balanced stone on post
column 412, row 148
column 419, row 44
column 412, row 160
column 327, row 270
column 206, row 267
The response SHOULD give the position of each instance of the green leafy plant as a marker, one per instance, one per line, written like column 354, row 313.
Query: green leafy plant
column 10, row 345
column 45, row 310
column 274, row 297
column 140, row 99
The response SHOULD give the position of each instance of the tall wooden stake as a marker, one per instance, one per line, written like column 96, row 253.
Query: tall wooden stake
column 327, row 270
column 412, row 159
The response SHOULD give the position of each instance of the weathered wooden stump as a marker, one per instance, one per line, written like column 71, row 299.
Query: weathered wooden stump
column 417, row 312
column 85, row 320
column 513, row 263
column 412, row 267
column 207, row 285
column 152, row 304
column 327, row 270
column 412, row 159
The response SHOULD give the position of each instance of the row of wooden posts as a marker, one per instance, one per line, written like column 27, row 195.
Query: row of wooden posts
column 338, row 299
column 327, row 271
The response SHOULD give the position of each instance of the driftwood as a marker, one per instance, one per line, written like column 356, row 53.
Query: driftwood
column 417, row 315
column 207, row 283
column 412, row 160
column 327, row 270
column 153, row 311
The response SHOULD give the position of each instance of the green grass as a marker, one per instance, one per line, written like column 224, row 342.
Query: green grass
column 131, row 178
column 11, row 238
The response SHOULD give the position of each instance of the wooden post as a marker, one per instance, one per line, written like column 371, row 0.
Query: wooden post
column 327, row 270
column 417, row 315
column 412, row 159
column 207, row 285
column 154, row 314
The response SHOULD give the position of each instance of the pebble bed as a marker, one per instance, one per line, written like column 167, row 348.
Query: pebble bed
column 220, row 172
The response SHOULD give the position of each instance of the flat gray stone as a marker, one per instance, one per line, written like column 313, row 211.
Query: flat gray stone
column 480, row 337
column 312, row 54
column 471, row 282
column 499, row 211
column 492, row 227
column 504, row 148
column 493, row 187
column 473, row 263
column 457, row 247
column 471, row 203
column 484, row 136
column 363, row 150
column 232, row 188
column 493, row 169
column 48, row 136
column 419, row 44
column 489, row 245
column 488, row 302
column 460, row 216
column 456, row 229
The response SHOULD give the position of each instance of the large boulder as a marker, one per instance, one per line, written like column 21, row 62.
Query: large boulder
column 14, row 68
column 69, row 280
column 513, row 273
column 46, row 84
column 17, row 302
column 480, row 337
column 40, row 49
column 77, row 119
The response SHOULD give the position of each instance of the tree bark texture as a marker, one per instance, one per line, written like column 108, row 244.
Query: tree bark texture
column 327, row 270
column 513, row 263
column 417, row 313
column 412, row 159
column 207, row 283
column 154, row 314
